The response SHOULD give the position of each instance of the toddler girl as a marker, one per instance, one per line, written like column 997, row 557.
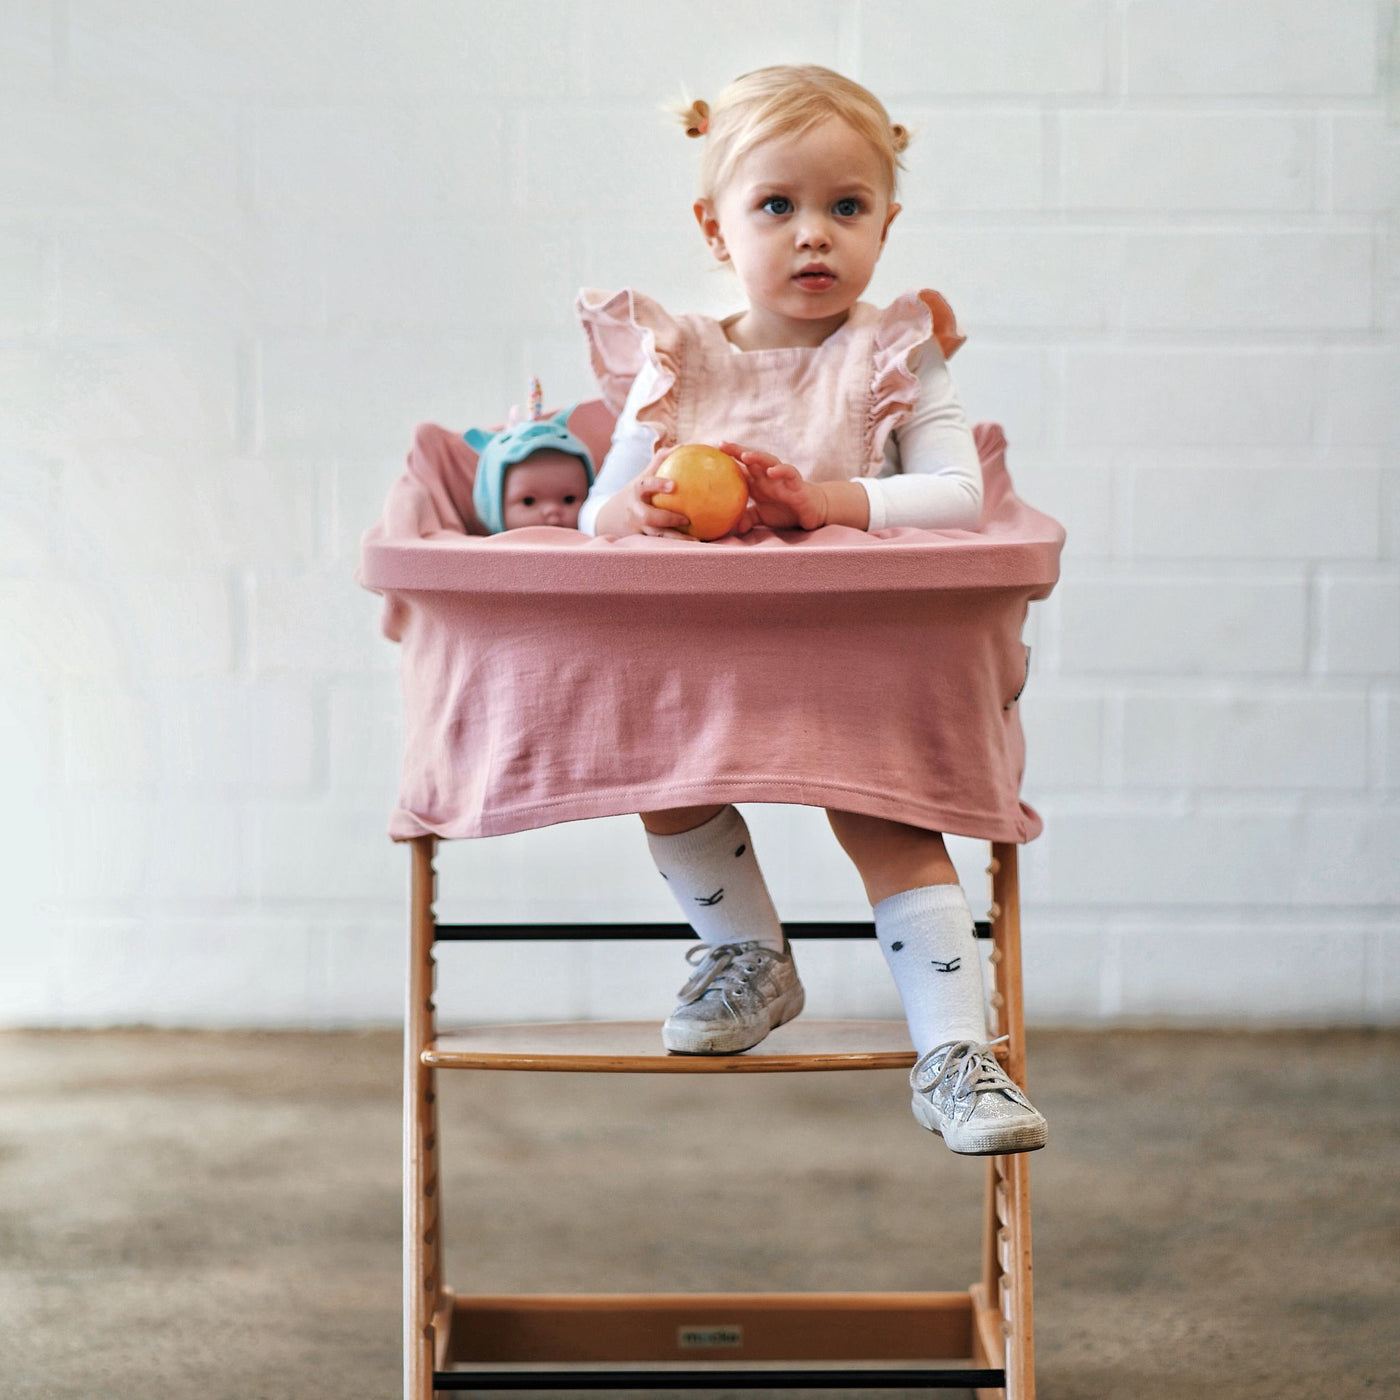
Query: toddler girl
column 841, row 413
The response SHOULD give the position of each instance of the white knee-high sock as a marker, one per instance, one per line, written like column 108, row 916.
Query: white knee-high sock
column 714, row 876
column 928, row 941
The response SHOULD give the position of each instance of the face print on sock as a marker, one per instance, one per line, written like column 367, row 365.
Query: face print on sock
column 926, row 936
column 950, row 966
column 712, row 899
column 714, row 878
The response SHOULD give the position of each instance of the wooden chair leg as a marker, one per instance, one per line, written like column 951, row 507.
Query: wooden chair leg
column 1004, row 1293
column 425, row 1306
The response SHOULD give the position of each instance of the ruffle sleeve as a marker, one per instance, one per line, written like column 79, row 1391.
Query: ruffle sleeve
column 903, row 328
column 625, row 330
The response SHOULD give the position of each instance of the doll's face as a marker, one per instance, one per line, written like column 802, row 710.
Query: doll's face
column 547, row 488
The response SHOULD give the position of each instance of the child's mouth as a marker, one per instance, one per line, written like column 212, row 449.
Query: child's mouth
column 816, row 280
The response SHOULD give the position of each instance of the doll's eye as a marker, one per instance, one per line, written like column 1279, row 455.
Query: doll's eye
column 847, row 208
column 569, row 500
column 777, row 204
column 527, row 500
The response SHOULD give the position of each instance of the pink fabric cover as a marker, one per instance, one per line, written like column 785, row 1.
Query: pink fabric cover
column 550, row 676
column 746, row 397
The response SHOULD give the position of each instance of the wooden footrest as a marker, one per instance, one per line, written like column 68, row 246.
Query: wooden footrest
column 690, row 1328
column 635, row 1047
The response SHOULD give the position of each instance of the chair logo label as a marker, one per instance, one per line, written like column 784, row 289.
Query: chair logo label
column 695, row 1338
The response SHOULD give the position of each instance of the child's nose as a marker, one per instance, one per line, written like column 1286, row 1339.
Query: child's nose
column 814, row 234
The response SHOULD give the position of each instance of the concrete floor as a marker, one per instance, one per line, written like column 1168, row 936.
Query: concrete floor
column 216, row 1216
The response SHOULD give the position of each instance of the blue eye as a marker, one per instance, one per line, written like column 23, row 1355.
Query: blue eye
column 847, row 208
column 777, row 204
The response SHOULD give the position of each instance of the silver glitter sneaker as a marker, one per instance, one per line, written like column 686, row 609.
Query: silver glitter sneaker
column 964, row 1095
column 738, row 993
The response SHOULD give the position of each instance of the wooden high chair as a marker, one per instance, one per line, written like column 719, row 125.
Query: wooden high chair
column 980, row 1339
column 510, row 654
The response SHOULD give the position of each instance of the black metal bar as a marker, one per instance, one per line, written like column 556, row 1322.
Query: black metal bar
column 941, row 1378
column 541, row 933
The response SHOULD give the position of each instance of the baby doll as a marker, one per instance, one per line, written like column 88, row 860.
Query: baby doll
column 534, row 471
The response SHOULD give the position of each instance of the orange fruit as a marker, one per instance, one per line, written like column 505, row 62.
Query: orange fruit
column 711, row 490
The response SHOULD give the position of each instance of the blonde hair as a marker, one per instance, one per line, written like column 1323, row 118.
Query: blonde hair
column 786, row 100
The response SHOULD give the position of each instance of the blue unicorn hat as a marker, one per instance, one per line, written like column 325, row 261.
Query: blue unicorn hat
column 522, row 437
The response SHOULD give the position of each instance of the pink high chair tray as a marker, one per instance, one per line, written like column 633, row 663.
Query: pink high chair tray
column 549, row 676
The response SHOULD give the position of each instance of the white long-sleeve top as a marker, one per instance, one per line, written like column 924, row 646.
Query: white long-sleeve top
column 931, row 478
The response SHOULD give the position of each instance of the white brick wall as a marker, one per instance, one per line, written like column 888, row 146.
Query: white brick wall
column 244, row 249
column 1278, row 49
column 1171, row 160
column 1208, row 396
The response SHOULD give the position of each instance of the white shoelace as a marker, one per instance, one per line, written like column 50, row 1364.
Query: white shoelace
column 719, row 963
column 966, row 1069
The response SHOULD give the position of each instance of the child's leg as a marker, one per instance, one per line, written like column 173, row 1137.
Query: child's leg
column 706, row 857
column 923, row 924
column 744, row 983
column 926, row 933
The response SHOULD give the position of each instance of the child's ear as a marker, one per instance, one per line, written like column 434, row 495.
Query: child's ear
column 708, row 220
column 889, row 219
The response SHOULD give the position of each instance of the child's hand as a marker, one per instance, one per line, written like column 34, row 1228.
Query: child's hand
column 782, row 496
column 637, row 508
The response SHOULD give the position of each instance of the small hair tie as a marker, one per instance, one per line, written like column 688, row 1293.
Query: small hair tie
column 699, row 119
